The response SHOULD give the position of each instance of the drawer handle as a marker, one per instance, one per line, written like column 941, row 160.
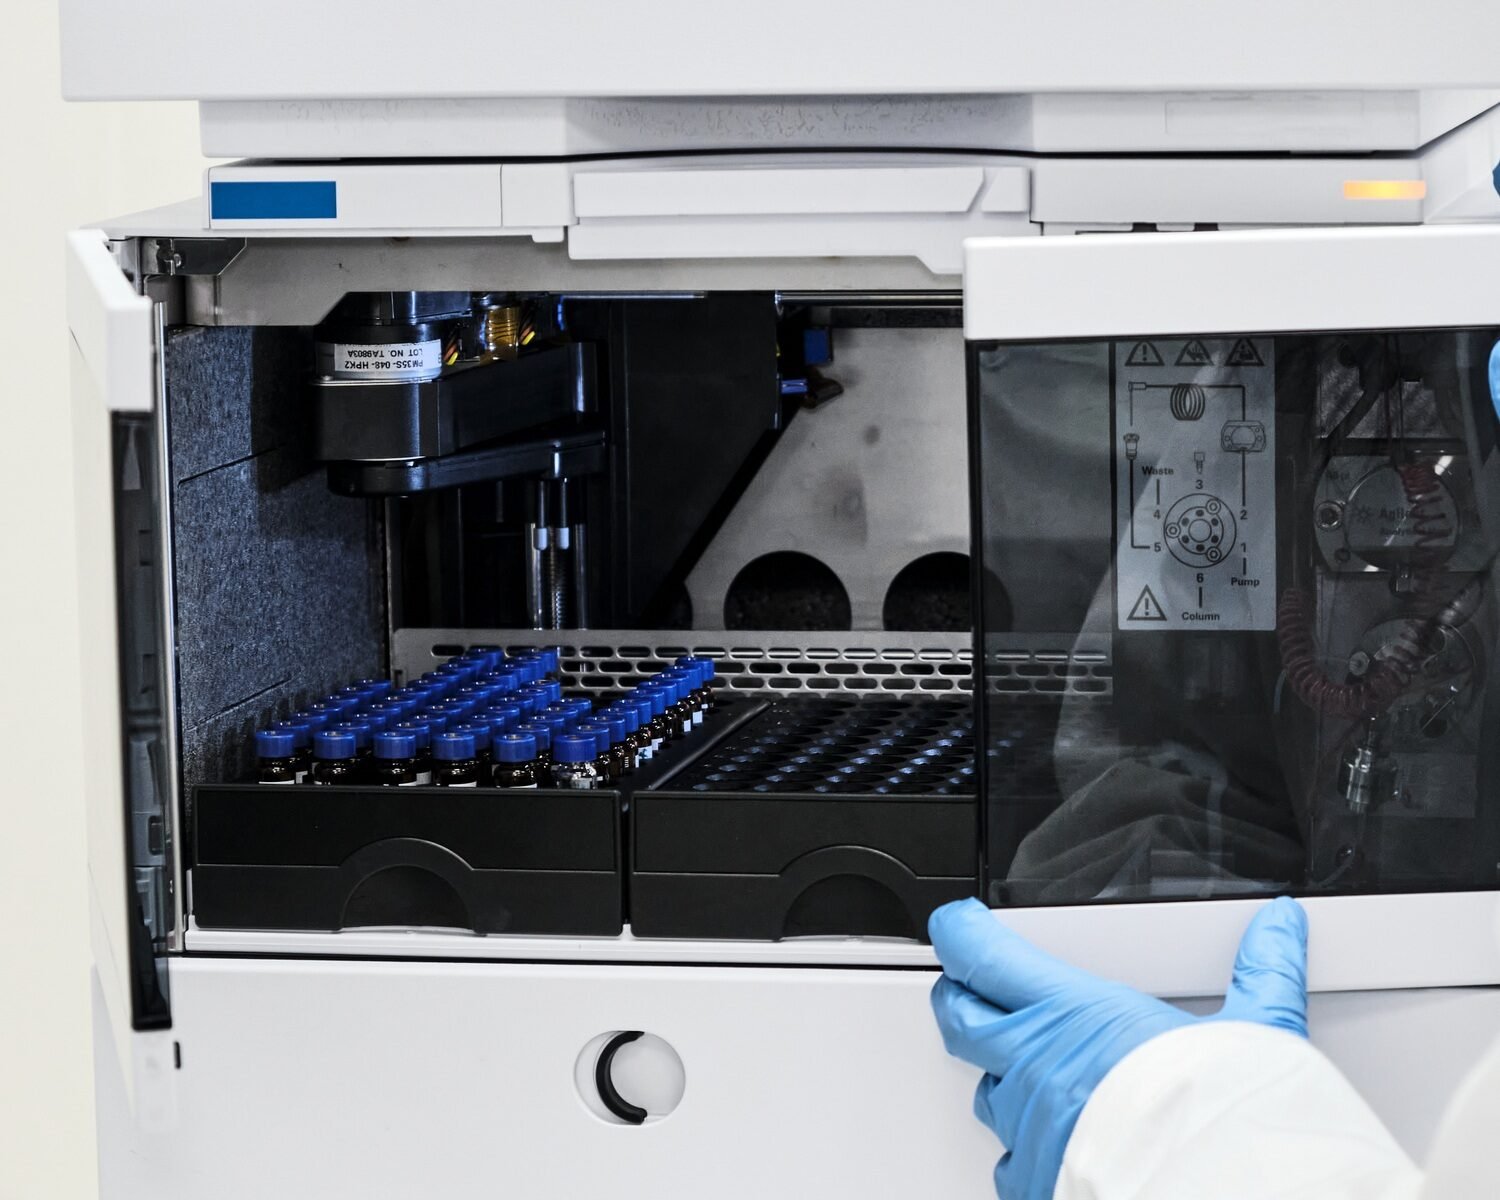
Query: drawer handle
column 617, row 1104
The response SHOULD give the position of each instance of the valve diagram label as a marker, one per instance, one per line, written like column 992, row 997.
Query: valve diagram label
column 1195, row 484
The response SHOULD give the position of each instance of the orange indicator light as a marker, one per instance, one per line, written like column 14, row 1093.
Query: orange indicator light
column 1385, row 189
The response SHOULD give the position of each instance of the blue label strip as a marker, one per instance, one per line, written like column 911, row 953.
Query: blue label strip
column 269, row 200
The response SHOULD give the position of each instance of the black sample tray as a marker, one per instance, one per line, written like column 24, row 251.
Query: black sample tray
column 484, row 859
column 818, row 816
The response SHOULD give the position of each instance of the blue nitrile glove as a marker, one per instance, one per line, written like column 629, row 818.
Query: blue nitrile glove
column 1046, row 1033
column 1495, row 352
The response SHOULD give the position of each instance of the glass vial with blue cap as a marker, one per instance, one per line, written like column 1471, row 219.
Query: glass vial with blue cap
column 333, row 758
column 516, row 764
column 301, row 731
column 479, row 730
column 455, row 761
column 703, row 668
column 574, row 762
column 684, row 682
column 655, row 704
column 622, row 745
column 603, row 758
column 395, row 763
column 542, row 732
column 635, row 717
column 421, row 733
column 275, row 752
column 363, row 734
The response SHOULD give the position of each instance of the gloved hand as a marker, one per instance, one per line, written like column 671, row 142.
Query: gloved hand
column 1495, row 349
column 1046, row 1033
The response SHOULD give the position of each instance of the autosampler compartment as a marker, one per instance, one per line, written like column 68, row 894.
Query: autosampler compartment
column 689, row 474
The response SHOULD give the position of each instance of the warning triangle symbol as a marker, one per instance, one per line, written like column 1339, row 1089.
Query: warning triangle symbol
column 1144, row 355
column 1244, row 354
column 1195, row 354
column 1147, row 607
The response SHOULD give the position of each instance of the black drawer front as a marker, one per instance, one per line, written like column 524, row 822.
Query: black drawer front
column 327, row 858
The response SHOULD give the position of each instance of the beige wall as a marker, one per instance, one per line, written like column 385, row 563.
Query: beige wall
column 63, row 166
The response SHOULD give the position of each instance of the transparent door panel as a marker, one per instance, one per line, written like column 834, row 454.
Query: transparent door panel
column 1267, row 566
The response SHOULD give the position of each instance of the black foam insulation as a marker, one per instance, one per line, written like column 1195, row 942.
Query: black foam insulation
column 279, row 589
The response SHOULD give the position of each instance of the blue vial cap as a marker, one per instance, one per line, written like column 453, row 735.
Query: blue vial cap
column 551, row 660
column 626, row 707
column 569, row 717
column 541, row 732
column 618, row 725
column 359, row 729
column 596, row 730
column 655, row 696
column 372, row 687
column 553, row 721
column 483, row 694
column 436, row 720
column 528, row 704
column 479, row 732
column 505, row 679
column 418, row 729
column 574, row 748
column 488, row 657
column 453, row 747
column 395, row 745
column 515, row 748
column 341, row 706
column 527, row 668
column 458, row 668
column 300, row 730
column 377, row 721
column 333, row 744
column 503, row 715
column 316, row 720
column 578, row 707
column 272, row 743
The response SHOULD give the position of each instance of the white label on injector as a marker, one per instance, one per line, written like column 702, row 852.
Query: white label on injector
column 398, row 360
column 1195, row 484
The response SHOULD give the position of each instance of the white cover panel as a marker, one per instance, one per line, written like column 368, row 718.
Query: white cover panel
column 386, row 196
column 284, row 49
column 113, row 370
column 668, row 190
column 1058, row 122
column 1171, row 949
column 443, row 1080
column 392, row 1080
column 1259, row 281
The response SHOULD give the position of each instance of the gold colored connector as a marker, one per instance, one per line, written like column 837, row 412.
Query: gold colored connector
column 502, row 331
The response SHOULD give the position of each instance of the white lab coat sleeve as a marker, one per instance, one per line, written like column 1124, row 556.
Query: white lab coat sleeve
column 1232, row 1111
column 1464, row 1163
